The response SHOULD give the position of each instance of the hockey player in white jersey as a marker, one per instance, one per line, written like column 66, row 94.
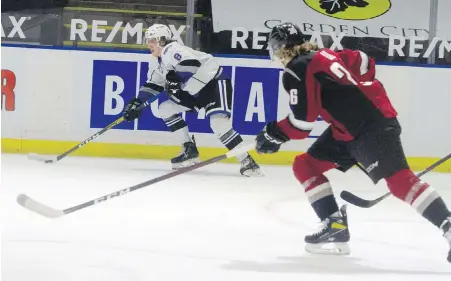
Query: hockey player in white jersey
column 192, row 80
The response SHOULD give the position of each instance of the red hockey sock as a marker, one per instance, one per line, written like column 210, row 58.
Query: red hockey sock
column 309, row 172
column 406, row 186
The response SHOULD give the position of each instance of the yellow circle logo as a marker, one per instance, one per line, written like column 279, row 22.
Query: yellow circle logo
column 350, row 9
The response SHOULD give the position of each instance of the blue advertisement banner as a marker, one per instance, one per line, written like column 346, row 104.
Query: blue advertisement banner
column 115, row 83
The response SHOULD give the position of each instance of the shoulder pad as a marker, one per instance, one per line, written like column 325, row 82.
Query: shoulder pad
column 167, row 48
column 173, row 51
column 297, row 67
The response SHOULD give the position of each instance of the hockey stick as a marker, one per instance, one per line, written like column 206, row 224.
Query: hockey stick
column 50, row 212
column 363, row 203
column 37, row 157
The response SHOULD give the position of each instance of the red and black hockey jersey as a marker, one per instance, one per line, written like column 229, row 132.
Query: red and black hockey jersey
column 339, row 86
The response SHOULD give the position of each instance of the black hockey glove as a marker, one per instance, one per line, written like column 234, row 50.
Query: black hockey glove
column 131, row 111
column 173, row 84
column 270, row 139
column 174, row 91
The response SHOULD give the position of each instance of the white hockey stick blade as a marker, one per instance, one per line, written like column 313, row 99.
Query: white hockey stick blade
column 40, row 158
column 37, row 207
column 240, row 150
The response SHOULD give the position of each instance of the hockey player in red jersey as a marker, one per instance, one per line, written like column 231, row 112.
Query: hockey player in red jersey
column 340, row 86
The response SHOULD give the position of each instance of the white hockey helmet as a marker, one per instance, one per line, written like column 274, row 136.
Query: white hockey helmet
column 158, row 32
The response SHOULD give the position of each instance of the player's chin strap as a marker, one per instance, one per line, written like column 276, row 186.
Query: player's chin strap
column 50, row 212
column 161, row 45
column 363, row 203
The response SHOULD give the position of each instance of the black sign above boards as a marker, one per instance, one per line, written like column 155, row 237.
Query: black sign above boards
column 20, row 5
column 255, row 44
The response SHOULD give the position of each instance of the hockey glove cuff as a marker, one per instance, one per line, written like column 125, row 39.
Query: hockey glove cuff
column 175, row 93
column 270, row 139
column 173, row 84
column 149, row 90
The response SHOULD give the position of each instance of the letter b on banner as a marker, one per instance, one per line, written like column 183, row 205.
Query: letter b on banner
column 113, row 86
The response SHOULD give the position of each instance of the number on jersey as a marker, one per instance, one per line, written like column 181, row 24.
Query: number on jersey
column 294, row 96
column 338, row 69
column 341, row 71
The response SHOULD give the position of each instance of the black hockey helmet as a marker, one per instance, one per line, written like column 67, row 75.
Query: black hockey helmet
column 287, row 34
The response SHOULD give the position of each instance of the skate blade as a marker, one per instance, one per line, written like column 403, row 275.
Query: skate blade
column 253, row 173
column 186, row 163
column 328, row 249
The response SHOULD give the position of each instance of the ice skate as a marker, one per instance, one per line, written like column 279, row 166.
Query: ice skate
column 333, row 236
column 250, row 168
column 446, row 227
column 189, row 156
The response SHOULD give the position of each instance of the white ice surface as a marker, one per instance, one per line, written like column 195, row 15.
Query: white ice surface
column 210, row 224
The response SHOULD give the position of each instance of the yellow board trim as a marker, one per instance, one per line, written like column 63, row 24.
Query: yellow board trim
column 164, row 152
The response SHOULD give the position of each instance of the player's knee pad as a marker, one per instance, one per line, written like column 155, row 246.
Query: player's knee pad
column 406, row 186
column 167, row 109
column 220, row 123
column 306, row 167
column 302, row 168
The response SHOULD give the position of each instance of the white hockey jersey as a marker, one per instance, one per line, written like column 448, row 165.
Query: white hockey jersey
column 194, row 68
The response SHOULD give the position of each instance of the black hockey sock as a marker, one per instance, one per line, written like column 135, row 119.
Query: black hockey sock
column 231, row 139
column 325, row 207
column 436, row 212
column 178, row 126
column 321, row 196
column 175, row 122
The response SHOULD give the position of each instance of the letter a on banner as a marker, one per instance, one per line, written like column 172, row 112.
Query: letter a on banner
column 256, row 104
column 256, row 98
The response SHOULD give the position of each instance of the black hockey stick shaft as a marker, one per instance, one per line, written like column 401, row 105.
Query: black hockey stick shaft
column 363, row 203
column 435, row 165
column 96, row 135
column 50, row 212
column 144, row 184
column 83, row 143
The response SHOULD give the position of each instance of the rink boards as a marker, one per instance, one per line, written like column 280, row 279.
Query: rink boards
column 53, row 99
